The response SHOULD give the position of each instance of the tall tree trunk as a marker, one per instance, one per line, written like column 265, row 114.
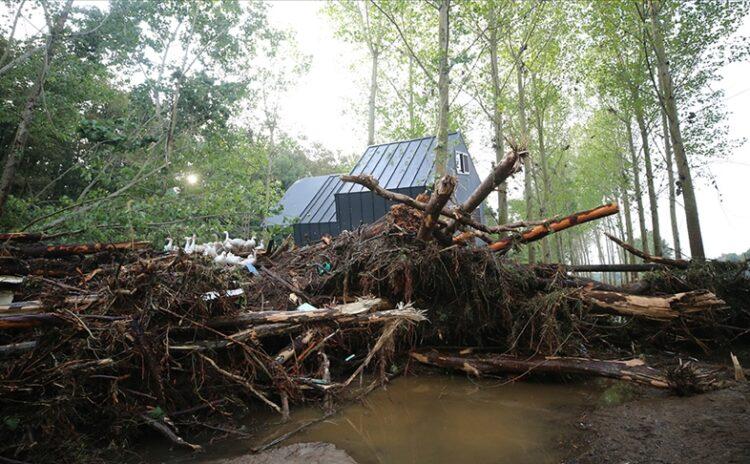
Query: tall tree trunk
column 558, row 248
column 527, row 181
column 497, row 119
column 412, row 125
column 374, row 55
column 441, row 148
column 667, row 100
column 269, row 166
column 626, row 209
column 545, row 196
column 637, row 188
column 670, row 179
column 18, row 144
column 649, row 178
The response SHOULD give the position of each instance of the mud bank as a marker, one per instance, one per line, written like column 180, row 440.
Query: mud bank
column 703, row 429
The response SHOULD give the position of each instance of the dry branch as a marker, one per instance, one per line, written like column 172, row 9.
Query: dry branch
column 372, row 184
column 542, row 231
column 678, row 263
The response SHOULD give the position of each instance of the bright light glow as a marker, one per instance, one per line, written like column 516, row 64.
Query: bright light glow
column 192, row 179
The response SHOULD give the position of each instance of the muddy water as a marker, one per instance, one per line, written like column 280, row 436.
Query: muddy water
column 451, row 420
column 438, row 419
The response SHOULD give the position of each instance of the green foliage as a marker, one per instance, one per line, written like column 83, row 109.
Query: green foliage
column 138, row 134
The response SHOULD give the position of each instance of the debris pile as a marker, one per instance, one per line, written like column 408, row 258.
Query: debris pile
column 106, row 342
column 131, row 340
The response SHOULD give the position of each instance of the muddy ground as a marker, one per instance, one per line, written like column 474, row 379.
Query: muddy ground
column 703, row 429
column 298, row 453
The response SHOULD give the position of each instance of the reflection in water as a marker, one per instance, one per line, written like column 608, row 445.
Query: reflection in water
column 439, row 419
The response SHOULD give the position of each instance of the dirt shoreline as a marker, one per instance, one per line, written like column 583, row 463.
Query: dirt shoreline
column 709, row 428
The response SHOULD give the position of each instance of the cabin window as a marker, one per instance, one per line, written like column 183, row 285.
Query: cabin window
column 462, row 162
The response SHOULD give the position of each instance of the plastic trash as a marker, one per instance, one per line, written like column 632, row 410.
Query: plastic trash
column 306, row 307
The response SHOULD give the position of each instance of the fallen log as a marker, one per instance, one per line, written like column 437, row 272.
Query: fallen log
column 443, row 190
column 542, row 231
column 637, row 267
column 52, row 251
column 360, row 318
column 658, row 308
column 33, row 236
column 317, row 315
column 678, row 263
column 26, row 321
column 634, row 370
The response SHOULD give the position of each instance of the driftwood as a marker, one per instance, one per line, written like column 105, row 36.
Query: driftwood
column 340, row 312
column 443, row 190
column 293, row 349
column 659, row 308
column 634, row 370
column 678, row 263
column 542, row 231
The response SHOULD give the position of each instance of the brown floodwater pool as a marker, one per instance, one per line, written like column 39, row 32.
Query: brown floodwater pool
column 440, row 419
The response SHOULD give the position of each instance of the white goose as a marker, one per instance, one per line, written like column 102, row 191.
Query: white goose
column 169, row 247
column 232, row 243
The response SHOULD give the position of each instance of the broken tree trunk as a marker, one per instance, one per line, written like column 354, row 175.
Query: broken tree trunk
column 325, row 314
column 659, row 308
column 443, row 190
column 542, row 231
column 509, row 165
column 678, row 263
column 372, row 184
column 634, row 370
column 637, row 267
column 359, row 317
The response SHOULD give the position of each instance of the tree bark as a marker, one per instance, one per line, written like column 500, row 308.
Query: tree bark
column 634, row 370
column 637, row 187
column 441, row 147
column 497, row 117
column 659, row 308
column 373, row 95
column 667, row 99
column 670, row 180
column 443, row 192
column 18, row 144
column 542, row 231
column 509, row 165
column 655, row 230
column 527, row 187
column 51, row 251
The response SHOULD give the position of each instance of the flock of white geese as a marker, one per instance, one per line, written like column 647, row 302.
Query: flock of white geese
column 222, row 252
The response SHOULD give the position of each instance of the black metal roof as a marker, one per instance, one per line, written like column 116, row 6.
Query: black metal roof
column 395, row 165
column 297, row 198
column 322, row 206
